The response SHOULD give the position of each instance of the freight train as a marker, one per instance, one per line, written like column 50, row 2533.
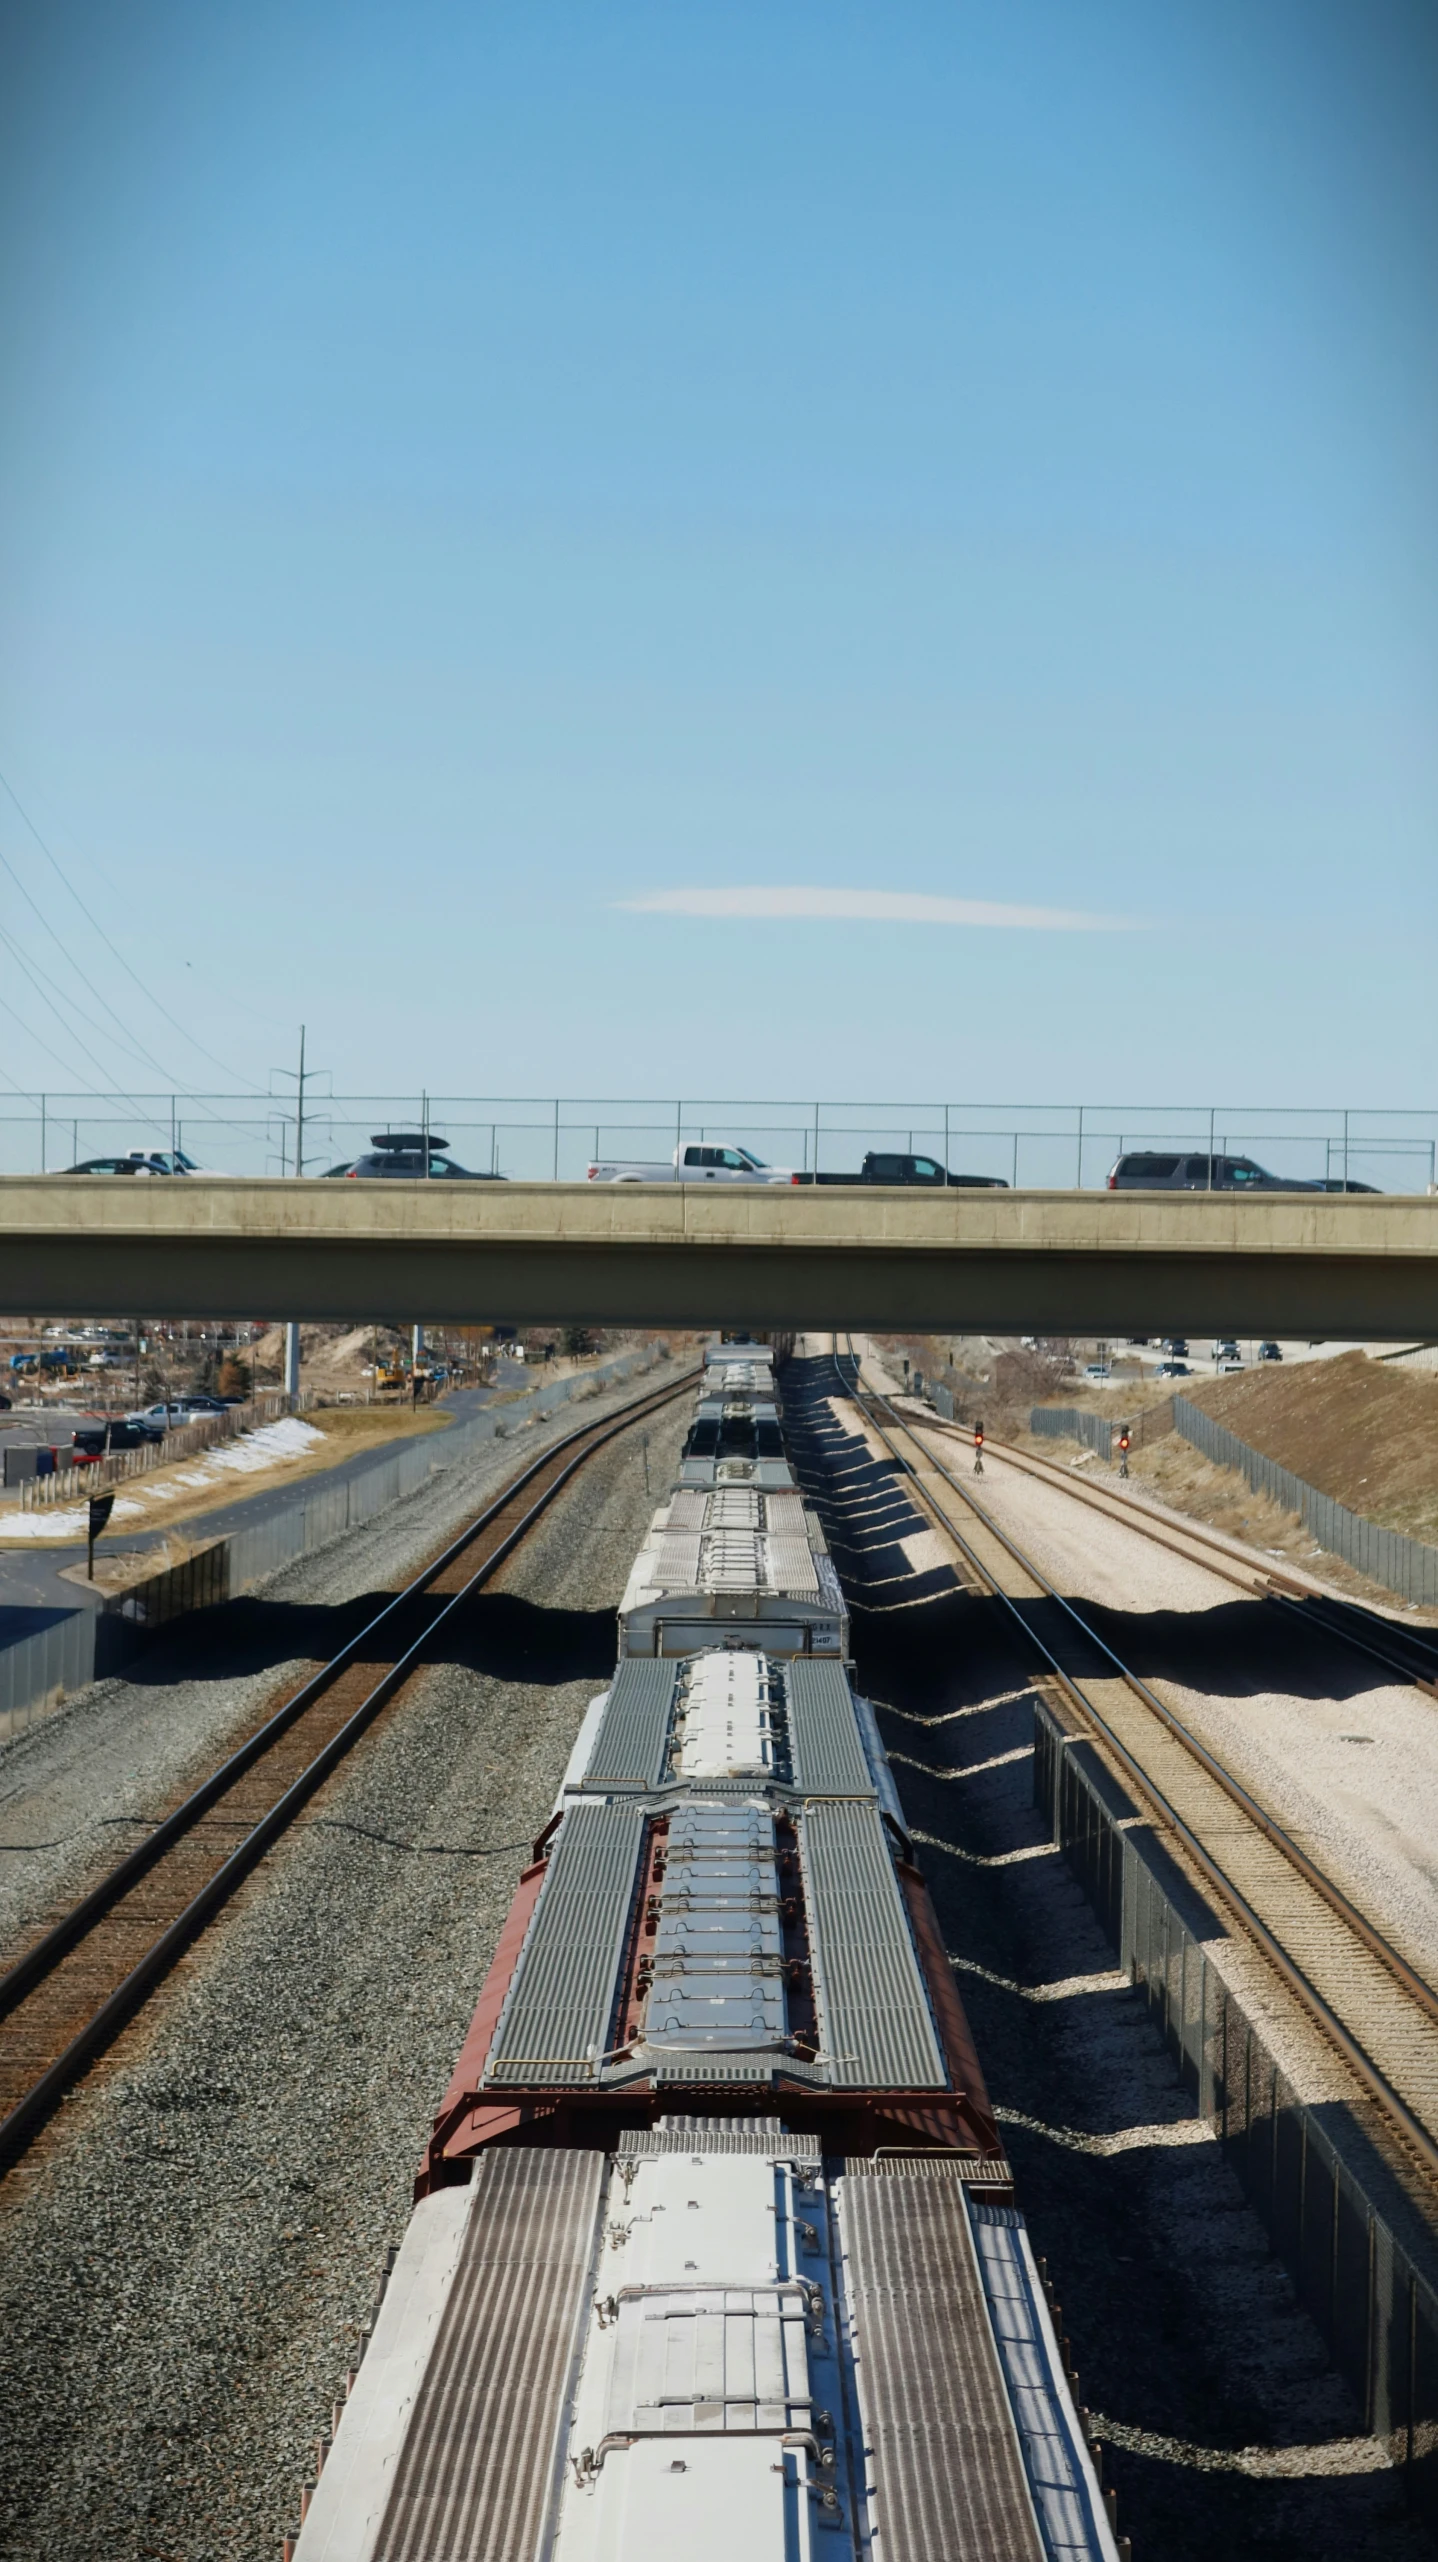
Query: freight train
column 714, row 2250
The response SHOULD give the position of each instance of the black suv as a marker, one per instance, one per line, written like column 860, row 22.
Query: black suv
column 1149, row 1170
column 410, row 1153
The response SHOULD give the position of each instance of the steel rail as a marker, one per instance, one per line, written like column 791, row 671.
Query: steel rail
column 30, row 2112
column 1336, row 1614
column 1421, row 1993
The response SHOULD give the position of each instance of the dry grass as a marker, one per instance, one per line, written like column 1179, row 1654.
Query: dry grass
column 1357, row 1429
column 1172, row 1472
column 167, row 1499
column 358, row 1426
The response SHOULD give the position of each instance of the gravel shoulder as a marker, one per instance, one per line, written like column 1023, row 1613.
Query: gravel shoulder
column 1226, row 2430
column 1344, row 1756
column 189, row 2256
column 81, row 1787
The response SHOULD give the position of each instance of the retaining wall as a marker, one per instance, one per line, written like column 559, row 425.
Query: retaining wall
column 1363, row 2263
column 89, row 1645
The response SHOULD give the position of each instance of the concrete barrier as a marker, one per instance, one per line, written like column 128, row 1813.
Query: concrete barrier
column 1110, row 1263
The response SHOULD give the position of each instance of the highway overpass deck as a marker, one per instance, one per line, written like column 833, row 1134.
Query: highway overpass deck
column 1325, row 1265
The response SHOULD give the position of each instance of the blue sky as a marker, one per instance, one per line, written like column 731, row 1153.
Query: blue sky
column 477, row 483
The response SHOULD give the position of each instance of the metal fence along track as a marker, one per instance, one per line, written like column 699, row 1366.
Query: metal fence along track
column 92, row 1645
column 1408, row 1567
column 1350, row 1977
column 1340, row 2209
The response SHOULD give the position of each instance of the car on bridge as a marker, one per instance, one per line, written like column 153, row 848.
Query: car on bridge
column 1162, row 1170
column 415, row 1154
column 894, row 1166
column 692, row 1161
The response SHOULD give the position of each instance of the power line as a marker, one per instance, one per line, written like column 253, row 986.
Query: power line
column 147, row 1055
column 117, row 1091
column 61, row 996
column 112, row 1095
column 56, row 866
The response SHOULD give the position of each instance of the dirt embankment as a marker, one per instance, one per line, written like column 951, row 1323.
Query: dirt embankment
column 1356, row 1428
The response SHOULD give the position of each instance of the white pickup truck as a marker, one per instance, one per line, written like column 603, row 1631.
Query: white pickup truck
column 692, row 1163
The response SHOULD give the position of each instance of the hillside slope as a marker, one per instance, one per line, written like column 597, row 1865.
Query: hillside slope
column 1355, row 1428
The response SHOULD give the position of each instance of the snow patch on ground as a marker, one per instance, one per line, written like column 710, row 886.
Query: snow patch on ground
column 270, row 1446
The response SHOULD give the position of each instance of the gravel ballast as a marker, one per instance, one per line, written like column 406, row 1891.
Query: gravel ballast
column 82, row 1785
column 1341, row 1751
column 1226, row 2430
column 190, row 2253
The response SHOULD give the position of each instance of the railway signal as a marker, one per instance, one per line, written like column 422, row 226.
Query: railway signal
column 978, row 1450
column 1123, row 1444
column 101, row 1507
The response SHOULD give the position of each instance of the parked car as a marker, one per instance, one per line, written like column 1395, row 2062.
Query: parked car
column 171, row 1412
column 92, row 1441
column 1097, row 1370
column 411, row 1153
column 1158, row 1170
column 1173, row 1370
column 1269, row 1352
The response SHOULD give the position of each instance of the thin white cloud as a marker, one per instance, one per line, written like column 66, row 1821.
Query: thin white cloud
column 875, row 907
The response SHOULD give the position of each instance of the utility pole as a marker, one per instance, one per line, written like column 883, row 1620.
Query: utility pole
column 292, row 1332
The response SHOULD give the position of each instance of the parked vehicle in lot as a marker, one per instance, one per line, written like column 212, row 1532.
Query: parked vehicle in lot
column 93, row 1441
column 418, row 1155
column 888, row 1165
column 1162, row 1170
column 692, row 1162
column 171, row 1412
column 1269, row 1352
column 1097, row 1370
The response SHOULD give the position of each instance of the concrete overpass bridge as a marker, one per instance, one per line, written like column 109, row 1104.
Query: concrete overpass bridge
column 1316, row 1264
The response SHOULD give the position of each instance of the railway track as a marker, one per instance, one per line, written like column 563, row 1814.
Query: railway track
column 67, row 1997
column 1409, row 1652
column 1369, row 2002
